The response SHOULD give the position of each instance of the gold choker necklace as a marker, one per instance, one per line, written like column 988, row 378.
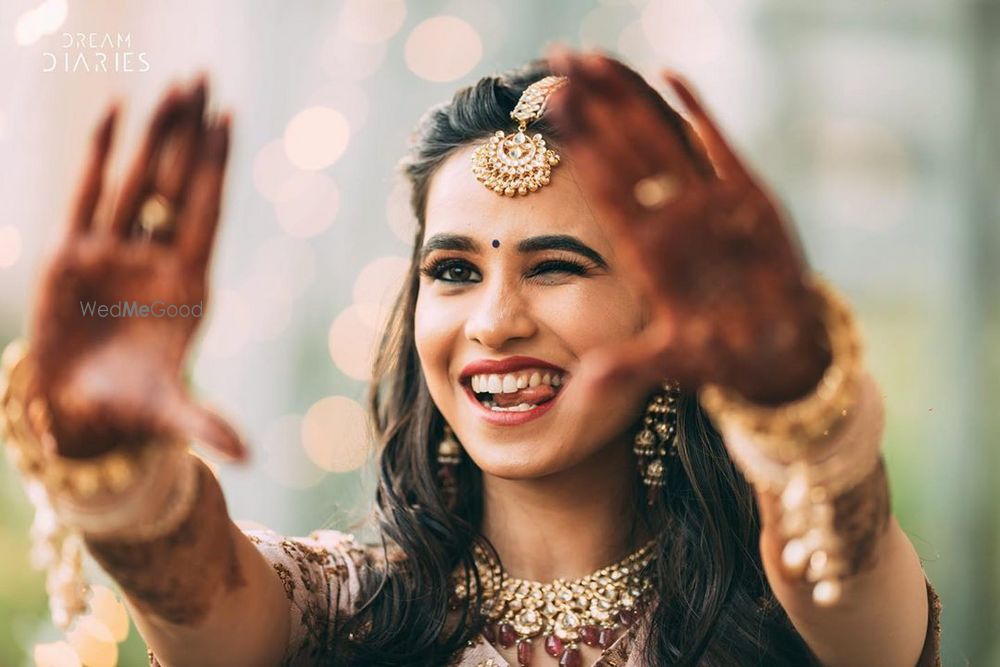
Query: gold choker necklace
column 594, row 610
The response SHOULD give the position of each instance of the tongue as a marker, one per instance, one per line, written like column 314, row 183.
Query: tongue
column 536, row 395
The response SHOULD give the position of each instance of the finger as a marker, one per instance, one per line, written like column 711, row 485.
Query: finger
column 92, row 184
column 593, row 118
column 651, row 129
column 605, row 187
column 189, row 421
column 173, row 171
column 204, row 201
column 668, row 347
column 137, row 182
column 726, row 162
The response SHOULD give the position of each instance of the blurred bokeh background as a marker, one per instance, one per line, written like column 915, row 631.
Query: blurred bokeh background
column 876, row 123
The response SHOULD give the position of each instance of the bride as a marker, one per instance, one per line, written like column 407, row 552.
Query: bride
column 620, row 422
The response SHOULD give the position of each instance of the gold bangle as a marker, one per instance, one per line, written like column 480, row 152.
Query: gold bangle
column 104, row 497
column 24, row 424
column 786, row 430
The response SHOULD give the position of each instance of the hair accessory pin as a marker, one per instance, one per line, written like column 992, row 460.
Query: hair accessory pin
column 516, row 164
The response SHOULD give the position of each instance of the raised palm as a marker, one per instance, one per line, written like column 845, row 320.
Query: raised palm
column 725, row 276
column 117, row 306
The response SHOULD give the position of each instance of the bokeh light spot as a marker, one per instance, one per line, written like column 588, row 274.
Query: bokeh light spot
column 316, row 137
column 285, row 458
column 10, row 246
column 93, row 642
column 312, row 209
column 106, row 608
column 351, row 341
column 376, row 288
column 443, row 48
column 399, row 213
column 56, row 654
column 336, row 434
column 371, row 21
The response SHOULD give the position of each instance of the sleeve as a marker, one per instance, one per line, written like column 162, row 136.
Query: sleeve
column 320, row 577
column 931, row 655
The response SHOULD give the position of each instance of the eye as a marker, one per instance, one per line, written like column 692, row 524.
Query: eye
column 559, row 266
column 451, row 271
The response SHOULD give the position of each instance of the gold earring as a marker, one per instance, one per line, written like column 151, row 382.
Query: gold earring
column 449, row 455
column 656, row 440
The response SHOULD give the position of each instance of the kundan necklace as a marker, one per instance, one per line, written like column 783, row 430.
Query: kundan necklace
column 594, row 610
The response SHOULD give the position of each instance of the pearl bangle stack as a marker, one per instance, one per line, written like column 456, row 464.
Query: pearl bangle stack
column 810, row 451
column 132, row 496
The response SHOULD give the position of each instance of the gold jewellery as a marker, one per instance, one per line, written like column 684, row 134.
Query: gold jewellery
column 156, row 215
column 810, row 451
column 595, row 610
column 108, row 497
column 516, row 164
column 656, row 440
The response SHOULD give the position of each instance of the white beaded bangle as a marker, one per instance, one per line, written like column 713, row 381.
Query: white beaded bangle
column 809, row 486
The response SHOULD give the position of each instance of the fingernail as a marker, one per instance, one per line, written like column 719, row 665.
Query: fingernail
column 217, row 141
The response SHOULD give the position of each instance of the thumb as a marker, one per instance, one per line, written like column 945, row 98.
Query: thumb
column 643, row 359
column 188, row 419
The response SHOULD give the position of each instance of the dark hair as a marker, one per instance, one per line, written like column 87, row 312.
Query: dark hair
column 714, row 605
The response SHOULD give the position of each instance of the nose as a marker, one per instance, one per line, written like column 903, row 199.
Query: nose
column 500, row 315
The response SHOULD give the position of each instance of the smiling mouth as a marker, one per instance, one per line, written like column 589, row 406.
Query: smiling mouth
column 522, row 391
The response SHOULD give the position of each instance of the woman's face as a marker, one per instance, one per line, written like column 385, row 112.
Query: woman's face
column 513, row 292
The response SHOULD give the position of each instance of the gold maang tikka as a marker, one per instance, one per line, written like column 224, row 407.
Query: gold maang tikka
column 516, row 164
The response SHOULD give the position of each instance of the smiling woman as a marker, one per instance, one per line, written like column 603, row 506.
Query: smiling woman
column 619, row 421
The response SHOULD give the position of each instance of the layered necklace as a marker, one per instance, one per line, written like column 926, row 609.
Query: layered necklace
column 594, row 610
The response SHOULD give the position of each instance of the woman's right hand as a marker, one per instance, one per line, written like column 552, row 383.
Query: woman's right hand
column 117, row 380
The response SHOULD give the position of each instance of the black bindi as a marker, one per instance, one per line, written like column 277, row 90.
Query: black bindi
column 496, row 243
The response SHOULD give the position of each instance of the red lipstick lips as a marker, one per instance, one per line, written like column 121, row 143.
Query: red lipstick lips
column 500, row 367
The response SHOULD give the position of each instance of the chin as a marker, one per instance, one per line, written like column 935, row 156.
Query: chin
column 522, row 460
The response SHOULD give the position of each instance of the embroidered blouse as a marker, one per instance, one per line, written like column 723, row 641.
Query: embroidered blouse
column 320, row 574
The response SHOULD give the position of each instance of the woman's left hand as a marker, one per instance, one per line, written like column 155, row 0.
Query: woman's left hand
column 700, row 236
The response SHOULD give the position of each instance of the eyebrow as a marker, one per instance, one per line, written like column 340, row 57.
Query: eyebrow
column 529, row 245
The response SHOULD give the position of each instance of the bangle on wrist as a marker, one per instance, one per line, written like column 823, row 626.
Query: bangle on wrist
column 810, row 451
column 135, row 495
column 785, row 431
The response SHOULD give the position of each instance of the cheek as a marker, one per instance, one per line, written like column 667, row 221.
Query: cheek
column 592, row 315
column 434, row 329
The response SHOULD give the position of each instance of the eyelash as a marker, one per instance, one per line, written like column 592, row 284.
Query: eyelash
column 436, row 269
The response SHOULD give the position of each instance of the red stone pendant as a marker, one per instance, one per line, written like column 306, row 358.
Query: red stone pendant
column 524, row 652
column 553, row 646
column 507, row 635
column 607, row 637
column 571, row 658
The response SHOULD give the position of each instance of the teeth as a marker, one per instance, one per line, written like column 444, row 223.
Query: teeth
column 521, row 407
column 512, row 382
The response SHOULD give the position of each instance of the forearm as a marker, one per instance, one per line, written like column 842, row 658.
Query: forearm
column 202, row 594
column 882, row 616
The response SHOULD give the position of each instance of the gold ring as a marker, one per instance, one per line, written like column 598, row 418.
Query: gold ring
column 156, row 215
column 656, row 191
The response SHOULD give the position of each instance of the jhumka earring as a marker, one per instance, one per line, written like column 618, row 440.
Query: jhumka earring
column 449, row 455
column 656, row 440
column 516, row 164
